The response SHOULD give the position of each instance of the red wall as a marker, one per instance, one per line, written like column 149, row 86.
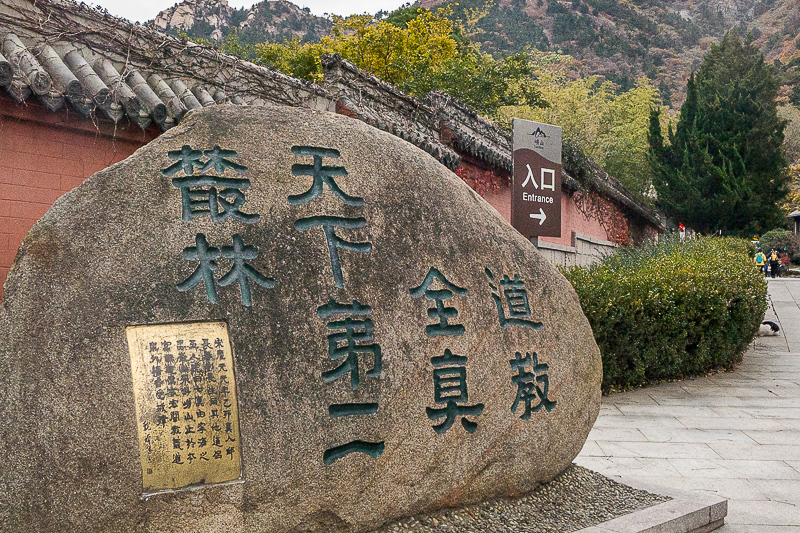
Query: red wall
column 45, row 154
column 584, row 213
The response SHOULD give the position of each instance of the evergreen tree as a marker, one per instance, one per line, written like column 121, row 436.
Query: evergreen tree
column 724, row 168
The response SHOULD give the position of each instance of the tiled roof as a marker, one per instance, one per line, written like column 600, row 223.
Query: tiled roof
column 58, row 52
column 56, row 78
column 366, row 97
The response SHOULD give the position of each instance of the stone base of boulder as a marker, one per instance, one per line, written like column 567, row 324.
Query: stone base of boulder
column 580, row 501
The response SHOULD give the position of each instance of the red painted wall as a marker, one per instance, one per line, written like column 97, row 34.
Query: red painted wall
column 45, row 154
column 588, row 214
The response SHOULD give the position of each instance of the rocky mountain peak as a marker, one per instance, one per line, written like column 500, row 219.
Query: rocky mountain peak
column 184, row 16
column 268, row 20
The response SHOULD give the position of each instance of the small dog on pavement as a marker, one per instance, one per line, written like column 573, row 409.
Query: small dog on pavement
column 768, row 328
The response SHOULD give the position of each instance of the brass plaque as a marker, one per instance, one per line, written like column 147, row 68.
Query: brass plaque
column 186, row 406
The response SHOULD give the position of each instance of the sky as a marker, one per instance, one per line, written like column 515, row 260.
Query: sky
column 144, row 10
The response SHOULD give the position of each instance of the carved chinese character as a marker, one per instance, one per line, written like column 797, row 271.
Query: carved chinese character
column 322, row 175
column 373, row 449
column 349, row 338
column 240, row 272
column 187, row 160
column 450, row 389
column 441, row 312
column 531, row 385
column 222, row 198
column 206, row 255
column 329, row 225
column 515, row 297
column 217, row 158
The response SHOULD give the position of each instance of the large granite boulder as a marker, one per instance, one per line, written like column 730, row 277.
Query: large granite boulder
column 281, row 320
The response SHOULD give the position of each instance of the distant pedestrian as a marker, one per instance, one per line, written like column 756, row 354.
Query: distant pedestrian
column 761, row 261
column 784, row 264
column 774, row 261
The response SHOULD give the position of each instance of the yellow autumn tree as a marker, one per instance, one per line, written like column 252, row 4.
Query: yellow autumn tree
column 394, row 54
column 792, row 201
column 623, row 136
column 418, row 51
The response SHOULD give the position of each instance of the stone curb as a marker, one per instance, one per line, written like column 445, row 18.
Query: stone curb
column 685, row 513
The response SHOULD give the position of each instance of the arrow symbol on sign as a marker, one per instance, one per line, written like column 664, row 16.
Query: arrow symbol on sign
column 541, row 216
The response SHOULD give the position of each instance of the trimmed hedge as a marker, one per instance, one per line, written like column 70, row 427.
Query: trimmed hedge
column 671, row 310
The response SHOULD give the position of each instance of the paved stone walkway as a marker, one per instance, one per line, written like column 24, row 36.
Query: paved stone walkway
column 736, row 435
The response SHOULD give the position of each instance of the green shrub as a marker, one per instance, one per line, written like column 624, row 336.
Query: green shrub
column 779, row 239
column 671, row 310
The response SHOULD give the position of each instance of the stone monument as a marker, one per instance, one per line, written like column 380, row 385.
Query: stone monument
column 273, row 319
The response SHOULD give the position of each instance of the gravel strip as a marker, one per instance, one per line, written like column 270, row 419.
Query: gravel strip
column 576, row 499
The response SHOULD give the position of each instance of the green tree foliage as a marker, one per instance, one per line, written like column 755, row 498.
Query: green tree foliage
column 791, row 142
column 724, row 167
column 418, row 51
column 403, row 15
column 666, row 93
column 500, row 27
column 232, row 45
column 671, row 310
column 609, row 128
column 776, row 239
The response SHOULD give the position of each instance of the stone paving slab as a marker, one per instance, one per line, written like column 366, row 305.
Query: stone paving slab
column 620, row 421
column 669, row 517
column 668, row 450
column 749, row 528
column 708, row 401
column 743, row 424
column 685, row 513
column 698, row 435
column 769, row 451
column 786, row 436
column 617, row 434
column 734, row 435
column 668, row 410
column 766, row 513
column 722, row 488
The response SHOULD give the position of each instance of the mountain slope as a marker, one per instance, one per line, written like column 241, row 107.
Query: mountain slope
column 620, row 40
column 624, row 39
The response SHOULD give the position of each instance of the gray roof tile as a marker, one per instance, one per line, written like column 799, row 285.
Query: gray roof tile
column 26, row 69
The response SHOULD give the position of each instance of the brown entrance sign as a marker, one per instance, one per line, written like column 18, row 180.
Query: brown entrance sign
column 536, row 183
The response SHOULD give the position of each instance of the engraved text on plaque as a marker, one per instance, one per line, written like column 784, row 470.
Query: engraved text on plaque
column 185, row 405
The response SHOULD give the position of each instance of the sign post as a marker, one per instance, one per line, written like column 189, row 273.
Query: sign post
column 536, row 179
